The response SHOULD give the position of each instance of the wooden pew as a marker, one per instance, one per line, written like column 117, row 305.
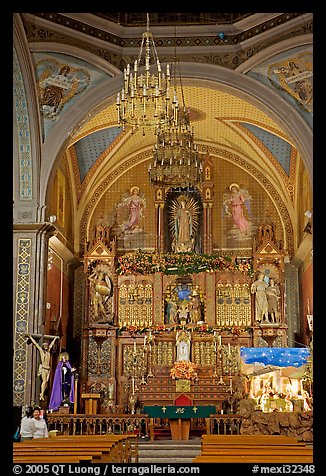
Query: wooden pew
column 253, row 448
column 123, row 448
column 124, row 444
column 52, row 459
column 254, row 459
column 258, row 451
column 108, row 450
column 252, row 439
column 98, row 456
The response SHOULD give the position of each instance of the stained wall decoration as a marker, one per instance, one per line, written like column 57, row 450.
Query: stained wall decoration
column 24, row 134
column 291, row 74
column 21, row 319
column 61, row 79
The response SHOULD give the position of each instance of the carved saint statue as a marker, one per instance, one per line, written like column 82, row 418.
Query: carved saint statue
column 273, row 297
column 258, row 288
column 100, row 292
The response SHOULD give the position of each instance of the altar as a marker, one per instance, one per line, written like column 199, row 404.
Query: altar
column 180, row 416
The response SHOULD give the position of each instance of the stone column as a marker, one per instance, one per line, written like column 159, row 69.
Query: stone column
column 29, row 282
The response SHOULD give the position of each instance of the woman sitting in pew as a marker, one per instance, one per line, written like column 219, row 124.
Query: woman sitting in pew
column 41, row 427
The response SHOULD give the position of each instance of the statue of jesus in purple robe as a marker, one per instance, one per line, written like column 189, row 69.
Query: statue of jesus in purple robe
column 63, row 383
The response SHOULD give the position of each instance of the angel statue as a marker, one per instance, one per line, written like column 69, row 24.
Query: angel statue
column 183, row 223
column 100, row 292
column 235, row 202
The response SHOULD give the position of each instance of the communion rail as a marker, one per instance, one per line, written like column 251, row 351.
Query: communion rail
column 138, row 424
column 80, row 424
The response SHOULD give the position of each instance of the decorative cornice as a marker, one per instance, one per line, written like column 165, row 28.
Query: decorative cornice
column 231, row 56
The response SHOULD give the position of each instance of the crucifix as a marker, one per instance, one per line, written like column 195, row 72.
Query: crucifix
column 44, row 348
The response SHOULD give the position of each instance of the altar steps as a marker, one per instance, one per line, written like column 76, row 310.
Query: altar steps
column 168, row 451
column 164, row 433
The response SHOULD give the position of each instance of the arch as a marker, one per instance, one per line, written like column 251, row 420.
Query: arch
column 228, row 80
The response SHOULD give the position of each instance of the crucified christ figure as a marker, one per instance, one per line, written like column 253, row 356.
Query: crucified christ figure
column 44, row 367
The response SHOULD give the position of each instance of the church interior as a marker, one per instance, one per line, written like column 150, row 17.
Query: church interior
column 163, row 221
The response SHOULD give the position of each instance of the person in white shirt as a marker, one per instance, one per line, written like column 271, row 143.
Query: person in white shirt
column 40, row 425
column 27, row 426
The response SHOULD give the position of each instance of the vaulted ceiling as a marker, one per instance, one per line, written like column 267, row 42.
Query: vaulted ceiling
column 227, row 82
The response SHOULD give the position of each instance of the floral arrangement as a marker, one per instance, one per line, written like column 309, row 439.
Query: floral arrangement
column 177, row 263
column 235, row 331
column 183, row 369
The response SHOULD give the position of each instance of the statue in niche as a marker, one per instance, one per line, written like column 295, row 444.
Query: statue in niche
column 195, row 308
column 100, row 290
column 183, row 313
column 183, row 223
column 171, row 309
column 183, row 339
column 273, row 297
column 258, row 288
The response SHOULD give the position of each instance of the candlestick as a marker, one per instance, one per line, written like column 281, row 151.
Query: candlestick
column 229, row 348
column 219, row 340
column 308, row 306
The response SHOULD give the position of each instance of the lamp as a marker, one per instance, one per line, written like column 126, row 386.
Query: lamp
column 176, row 161
column 144, row 100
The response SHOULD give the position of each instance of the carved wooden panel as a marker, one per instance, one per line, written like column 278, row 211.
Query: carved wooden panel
column 135, row 304
column 233, row 305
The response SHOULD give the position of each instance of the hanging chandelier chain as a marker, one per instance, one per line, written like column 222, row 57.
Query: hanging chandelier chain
column 145, row 101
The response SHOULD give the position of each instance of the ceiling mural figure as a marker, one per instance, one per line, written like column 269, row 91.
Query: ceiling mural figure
column 236, row 205
column 295, row 76
column 131, row 210
column 58, row 83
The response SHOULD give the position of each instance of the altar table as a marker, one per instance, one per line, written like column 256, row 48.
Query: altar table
column 179, row 416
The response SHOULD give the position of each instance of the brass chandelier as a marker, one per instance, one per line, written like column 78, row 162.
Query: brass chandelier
column 176, row 161
column 144, row 101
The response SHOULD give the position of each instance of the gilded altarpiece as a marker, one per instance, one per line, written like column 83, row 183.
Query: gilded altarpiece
column 132, row 323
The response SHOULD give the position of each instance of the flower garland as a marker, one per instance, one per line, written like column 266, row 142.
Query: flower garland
column 183, row 369
column 235, row 331
column 142, row 262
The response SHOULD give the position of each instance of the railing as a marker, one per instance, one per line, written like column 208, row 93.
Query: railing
column 139, row 425
column 98, row 424
column 225, row 424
